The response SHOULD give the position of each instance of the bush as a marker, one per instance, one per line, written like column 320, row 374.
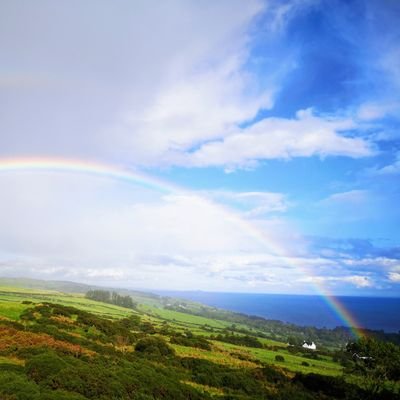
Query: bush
column 336, row 387
column 305, row 363
column 155, row 346
column 248, row 341
column 16, row 386
column 279, row 358
column 191, row 341
column 274, row 375
column 207, row 373
column 43, row 366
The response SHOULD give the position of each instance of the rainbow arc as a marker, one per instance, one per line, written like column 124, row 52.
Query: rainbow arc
column 92, row 168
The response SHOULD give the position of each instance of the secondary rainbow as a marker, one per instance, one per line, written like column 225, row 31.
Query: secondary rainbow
column 103, row 170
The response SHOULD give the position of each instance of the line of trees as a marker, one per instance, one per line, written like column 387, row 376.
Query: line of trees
column 112, row 298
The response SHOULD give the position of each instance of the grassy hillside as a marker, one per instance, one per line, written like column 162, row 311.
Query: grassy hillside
column 56, row 345
column 74, row 287
column 11, row 299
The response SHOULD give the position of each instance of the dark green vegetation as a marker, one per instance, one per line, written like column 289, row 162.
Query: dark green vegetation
column 64, row 346
column 106, row 296
column 377, row 362
column 276, row 330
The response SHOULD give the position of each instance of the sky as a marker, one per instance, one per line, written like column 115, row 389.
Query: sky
column 272, row 127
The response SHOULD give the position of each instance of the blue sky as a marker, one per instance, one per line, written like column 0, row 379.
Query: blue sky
column 284, row 113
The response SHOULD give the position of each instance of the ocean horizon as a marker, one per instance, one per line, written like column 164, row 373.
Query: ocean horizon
column 377, row 313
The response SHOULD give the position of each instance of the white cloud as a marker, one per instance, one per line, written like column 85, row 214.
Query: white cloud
column 77, row 227
column 121, row 65
column 251, row 204
column 359, row 281
column 356, row 280
column 67, row 226
column 193, row 109
column 374, row 111
column 381, row 262
column 95, row 230
column 394, row 277
column 391, row 169
column 306, row 135
column 164, row 88
column 350, row 197
column 282, row 12
column 351, row 206
column 150, row 83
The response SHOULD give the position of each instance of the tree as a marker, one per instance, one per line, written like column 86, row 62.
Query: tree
column 294, row 341
column 99, row 295
column 376, row 361
column 114, row 298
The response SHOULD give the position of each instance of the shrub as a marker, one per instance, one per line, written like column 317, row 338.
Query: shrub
column 16, row 386
column 60, row 395
column 279, row 358
column 44, row 365
column 336, row 387
column 248, row 341
column 272, row 374
column 191, row 341
column 155, row 346
column 305, row 363
column 207, row 373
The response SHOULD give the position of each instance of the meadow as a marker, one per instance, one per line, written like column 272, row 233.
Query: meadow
column 205, row 357
column 11, row 306
column 11, row 299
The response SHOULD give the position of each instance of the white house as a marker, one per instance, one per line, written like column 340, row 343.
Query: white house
column 309, row 345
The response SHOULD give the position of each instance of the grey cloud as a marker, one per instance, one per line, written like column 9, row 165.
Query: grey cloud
column 73, row 69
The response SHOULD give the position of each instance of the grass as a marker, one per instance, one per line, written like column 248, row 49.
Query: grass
column 28, row 292
column 187, row 319
column 11, row 360
column 270, row 342
column 11, row 302
column 11, row 307
column 205, row 389
column 292, row 362
column 11, row 310
column 226, row 354
column 217, row 355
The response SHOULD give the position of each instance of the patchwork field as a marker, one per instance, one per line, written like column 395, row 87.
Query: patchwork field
column 13, row 301
column 58, row 345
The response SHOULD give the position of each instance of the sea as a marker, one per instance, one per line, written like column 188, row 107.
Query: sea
column 375, row 313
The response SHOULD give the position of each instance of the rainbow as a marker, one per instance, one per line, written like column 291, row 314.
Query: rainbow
column 92, row 168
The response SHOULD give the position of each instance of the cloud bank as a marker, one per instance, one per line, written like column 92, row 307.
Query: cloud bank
column 295, row 111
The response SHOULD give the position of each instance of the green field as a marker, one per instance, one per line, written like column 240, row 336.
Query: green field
column 11, row 302
column 187, row 319
column 291, row 362
column 11, row 307
column 211, row 356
